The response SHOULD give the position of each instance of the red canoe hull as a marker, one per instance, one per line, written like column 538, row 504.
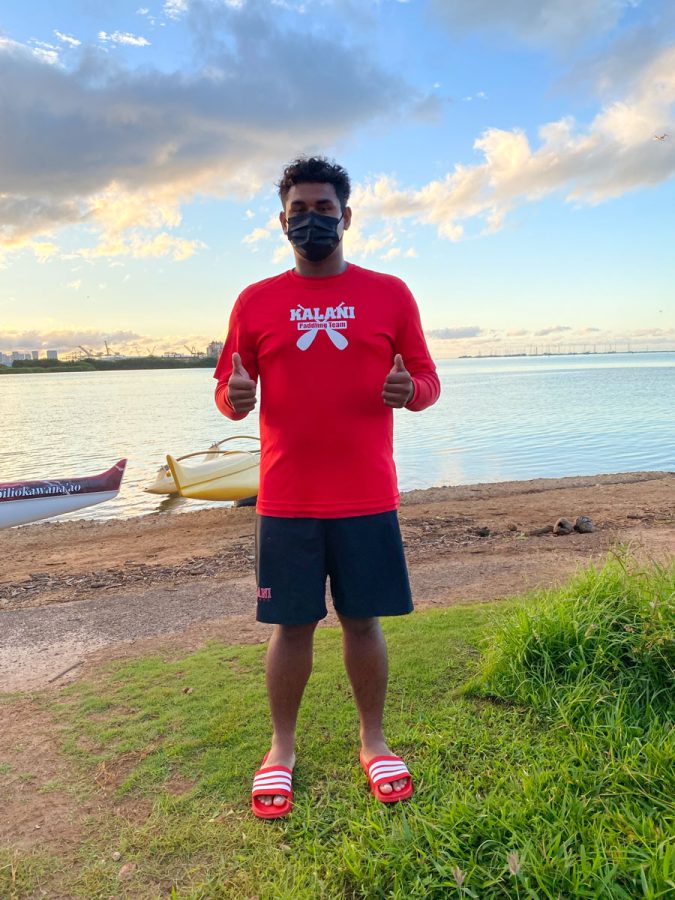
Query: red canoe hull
column 23, row 502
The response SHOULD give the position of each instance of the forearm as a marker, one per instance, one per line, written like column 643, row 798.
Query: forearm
column 427, row 390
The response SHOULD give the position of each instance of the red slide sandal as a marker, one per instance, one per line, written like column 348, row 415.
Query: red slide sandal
column 268, row 781
column 382, row 769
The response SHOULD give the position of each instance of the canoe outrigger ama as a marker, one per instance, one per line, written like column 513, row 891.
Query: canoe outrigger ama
column 22, row 502
column 213, row 474
column 224, row 475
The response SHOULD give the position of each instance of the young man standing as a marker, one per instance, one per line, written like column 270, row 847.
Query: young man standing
column 336, row 348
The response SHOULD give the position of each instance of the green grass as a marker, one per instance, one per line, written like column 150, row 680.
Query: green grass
column 602, row 647
column 543, row 769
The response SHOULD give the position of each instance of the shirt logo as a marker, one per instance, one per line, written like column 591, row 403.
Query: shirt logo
column 333, row 320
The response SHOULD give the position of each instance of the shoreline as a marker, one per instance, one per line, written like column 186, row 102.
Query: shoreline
column 413, row 495
column 76, row 594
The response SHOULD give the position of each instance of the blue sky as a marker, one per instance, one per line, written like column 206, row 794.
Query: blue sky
column 503, row 157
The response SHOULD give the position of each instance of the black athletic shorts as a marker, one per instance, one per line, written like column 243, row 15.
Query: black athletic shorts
column 361, row 555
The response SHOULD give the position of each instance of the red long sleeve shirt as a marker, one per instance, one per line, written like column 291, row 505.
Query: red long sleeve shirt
column 321, row 349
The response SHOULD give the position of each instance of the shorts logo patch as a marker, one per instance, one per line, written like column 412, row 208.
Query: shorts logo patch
column 264, row 593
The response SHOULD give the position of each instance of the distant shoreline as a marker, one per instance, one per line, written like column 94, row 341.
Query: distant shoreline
column 38, row 366
column 560, row 353
column 88, row 364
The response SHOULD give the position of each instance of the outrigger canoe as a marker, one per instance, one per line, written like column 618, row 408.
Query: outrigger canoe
column 225, row 475
column 164, row 483
column 22, row 502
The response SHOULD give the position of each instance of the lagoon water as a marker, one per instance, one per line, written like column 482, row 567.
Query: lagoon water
column 497, row 420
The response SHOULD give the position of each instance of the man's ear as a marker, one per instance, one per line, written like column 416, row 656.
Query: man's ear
column 347, row 217
column 284, row 223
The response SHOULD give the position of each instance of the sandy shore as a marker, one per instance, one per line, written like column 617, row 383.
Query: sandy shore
column 73, row 594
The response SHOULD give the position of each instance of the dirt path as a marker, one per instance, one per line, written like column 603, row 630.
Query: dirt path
column 74, row 594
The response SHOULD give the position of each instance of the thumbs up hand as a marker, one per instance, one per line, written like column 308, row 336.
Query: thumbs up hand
column 398, row 385
column 240, row 387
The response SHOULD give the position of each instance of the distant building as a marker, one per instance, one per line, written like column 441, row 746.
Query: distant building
column 214, row 349
column 35, row 354
column 5, row 359
column 52, row 354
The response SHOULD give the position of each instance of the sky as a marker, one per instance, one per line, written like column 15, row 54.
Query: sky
column 505, row 161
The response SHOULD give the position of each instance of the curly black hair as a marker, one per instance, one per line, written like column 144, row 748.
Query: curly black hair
column 315, row 169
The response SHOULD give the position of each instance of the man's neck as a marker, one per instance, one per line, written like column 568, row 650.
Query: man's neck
column 335, row 264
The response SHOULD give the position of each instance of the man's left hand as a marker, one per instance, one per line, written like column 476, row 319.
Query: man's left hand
column 398, row 386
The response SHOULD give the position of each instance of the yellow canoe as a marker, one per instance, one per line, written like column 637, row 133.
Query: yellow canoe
column 164, row 483
column 228, row 475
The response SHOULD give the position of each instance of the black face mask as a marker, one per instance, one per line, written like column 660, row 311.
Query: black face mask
column 314, row 236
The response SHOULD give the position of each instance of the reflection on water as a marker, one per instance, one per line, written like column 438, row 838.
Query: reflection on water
column 172, row 503
column 496, row 420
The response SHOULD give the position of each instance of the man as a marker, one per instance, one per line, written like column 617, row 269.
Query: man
column 336, row 348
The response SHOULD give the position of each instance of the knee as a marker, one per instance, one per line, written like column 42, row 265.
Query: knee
column 295, row 634
column 360, row 627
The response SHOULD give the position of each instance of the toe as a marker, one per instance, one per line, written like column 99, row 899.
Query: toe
column 386, row 788
column 279, row 800
column 265, row 800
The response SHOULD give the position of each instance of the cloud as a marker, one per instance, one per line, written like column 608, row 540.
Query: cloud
column 67, row 39
column 613, row 155
column 38, row 50
column 533, row 21
column 611, row 69
column 175, row 9
column 257, row 235
column 44, row 250
column 361, row 242
column 131, row 343
column 22, row 217
column 392, row 253
column 63, row 339
column 110, row 148
column 446, row 343
column 554, row 329
column 46, row 56
column 448, row 334
column 139, row 246
column 118, row 37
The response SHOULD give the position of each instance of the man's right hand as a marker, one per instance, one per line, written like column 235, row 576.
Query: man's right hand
column 240, row 387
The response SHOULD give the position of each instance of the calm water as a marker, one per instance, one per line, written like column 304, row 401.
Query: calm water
column 497, row 420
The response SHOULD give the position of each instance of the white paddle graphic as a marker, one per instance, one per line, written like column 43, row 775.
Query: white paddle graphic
column 305, row 340
column 339, row 340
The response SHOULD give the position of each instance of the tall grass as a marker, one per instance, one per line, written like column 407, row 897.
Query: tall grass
column 597, row 658
column 599, row 652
